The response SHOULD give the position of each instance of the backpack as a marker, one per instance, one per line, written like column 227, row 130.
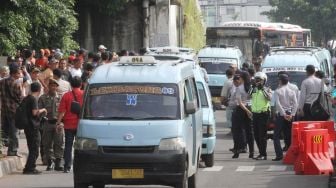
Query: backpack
column 21, row 115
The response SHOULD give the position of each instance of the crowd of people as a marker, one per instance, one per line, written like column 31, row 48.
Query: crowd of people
column 52, row 87
column 48, row 86
column 248, row 108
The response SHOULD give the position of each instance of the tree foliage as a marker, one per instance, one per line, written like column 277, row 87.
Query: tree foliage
column 194, row 29
column 317, row 15
column 37, row 24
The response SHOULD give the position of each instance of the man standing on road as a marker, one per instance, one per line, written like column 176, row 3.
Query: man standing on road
column 32, row 130
column 225, row 95
column 53, row 141
column 10, row 94
column 310, row 89
column 286, row 106
column 70, row 119
column 260, row 105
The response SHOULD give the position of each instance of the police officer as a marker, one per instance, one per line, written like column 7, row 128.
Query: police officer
column 260, row 106
column 53, row 141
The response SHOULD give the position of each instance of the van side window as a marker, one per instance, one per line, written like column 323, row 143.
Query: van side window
column 194, row 92
column 191, row 92
column 326, row 67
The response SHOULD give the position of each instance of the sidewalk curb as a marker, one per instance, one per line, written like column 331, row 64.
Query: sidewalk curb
column 11, row 164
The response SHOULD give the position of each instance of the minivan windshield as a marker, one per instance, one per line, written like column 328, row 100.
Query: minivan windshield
column 295, row 77
column 217, row 66
column 132, row 102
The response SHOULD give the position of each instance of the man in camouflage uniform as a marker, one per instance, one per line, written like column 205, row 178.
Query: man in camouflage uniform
column 52, row 140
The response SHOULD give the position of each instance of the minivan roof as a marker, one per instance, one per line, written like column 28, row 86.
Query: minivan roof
column 161, row 72
column 229, row 52
column 290, row 60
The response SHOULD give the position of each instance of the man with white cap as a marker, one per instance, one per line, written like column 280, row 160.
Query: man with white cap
column 101, row 49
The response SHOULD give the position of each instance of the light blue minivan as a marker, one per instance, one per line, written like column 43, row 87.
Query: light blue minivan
column 141, row 124
column 216, row 61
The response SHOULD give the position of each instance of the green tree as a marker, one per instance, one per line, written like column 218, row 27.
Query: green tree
column 317, row 15
column 37, row 24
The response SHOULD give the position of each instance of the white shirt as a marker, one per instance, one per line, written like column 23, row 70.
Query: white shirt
column 76, row 72
column 310, row 90
column 64, row 86
column 285, row 100
column 227, row 87
column 333, row 60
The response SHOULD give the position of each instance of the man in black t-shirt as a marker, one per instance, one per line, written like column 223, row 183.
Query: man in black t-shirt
column 32, row 130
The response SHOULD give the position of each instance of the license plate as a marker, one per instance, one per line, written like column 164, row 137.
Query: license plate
column 127, row 173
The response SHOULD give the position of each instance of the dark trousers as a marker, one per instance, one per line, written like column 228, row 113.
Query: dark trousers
column 13, row 140
column 33, row 140
column 260, row 131
column 241, row 127
column 307, row 114
column 281, row 124
column 69, row 139
column 4, row 130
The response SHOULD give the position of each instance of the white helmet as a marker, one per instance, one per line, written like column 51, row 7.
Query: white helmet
column 261, row 75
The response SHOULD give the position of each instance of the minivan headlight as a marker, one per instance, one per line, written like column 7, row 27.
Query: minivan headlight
column 172, row 144
column 86, row 144
column 208, row 130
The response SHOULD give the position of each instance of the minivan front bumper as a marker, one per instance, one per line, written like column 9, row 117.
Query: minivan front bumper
column 163, row 168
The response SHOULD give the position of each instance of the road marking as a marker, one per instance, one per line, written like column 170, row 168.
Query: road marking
column 245, row 168
column 276, row 168
column 213, row 169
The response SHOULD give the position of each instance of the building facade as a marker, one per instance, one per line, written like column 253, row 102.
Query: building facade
column 216, row 12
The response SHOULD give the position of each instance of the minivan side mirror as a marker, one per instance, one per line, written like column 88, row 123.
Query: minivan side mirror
column 190, row 107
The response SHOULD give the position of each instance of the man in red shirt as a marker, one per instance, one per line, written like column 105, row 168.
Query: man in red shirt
column 69, row 119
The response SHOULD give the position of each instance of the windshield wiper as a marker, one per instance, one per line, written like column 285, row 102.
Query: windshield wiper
column 156, row 118
column 110, row 118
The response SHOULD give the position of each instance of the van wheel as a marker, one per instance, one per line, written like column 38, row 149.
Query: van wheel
column 81, row 185
column 98, row 185
column 192, row 181
column 209, row 160
column 184, row 182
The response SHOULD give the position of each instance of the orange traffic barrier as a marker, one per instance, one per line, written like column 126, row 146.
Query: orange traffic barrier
column 297, row 127
column 293, row 150
column 314, row 156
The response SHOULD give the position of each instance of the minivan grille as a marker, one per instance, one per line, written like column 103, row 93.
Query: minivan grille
column 133, row 149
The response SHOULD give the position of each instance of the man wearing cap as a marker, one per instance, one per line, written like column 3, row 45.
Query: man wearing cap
column 52, row 140
column 34, row 75
column 10, row 95
column 48, row 73
column 310, row 90
column 101, row 49
column 286, row 107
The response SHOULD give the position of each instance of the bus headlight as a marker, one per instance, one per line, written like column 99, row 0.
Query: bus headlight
column 172, row 144
column 86, row 144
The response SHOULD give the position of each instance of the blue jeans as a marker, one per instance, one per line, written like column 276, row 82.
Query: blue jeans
column 281, row 124
column 69, row 139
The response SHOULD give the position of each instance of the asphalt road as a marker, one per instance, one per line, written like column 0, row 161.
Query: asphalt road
column 227, row 172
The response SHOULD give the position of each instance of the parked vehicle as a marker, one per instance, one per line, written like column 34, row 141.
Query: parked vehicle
column 142, row 124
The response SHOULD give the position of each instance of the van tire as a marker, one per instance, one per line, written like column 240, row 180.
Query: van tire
column 80, row 185
column 184, row 182
column 192, row 179
column 98, row 185
column 209, row 159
